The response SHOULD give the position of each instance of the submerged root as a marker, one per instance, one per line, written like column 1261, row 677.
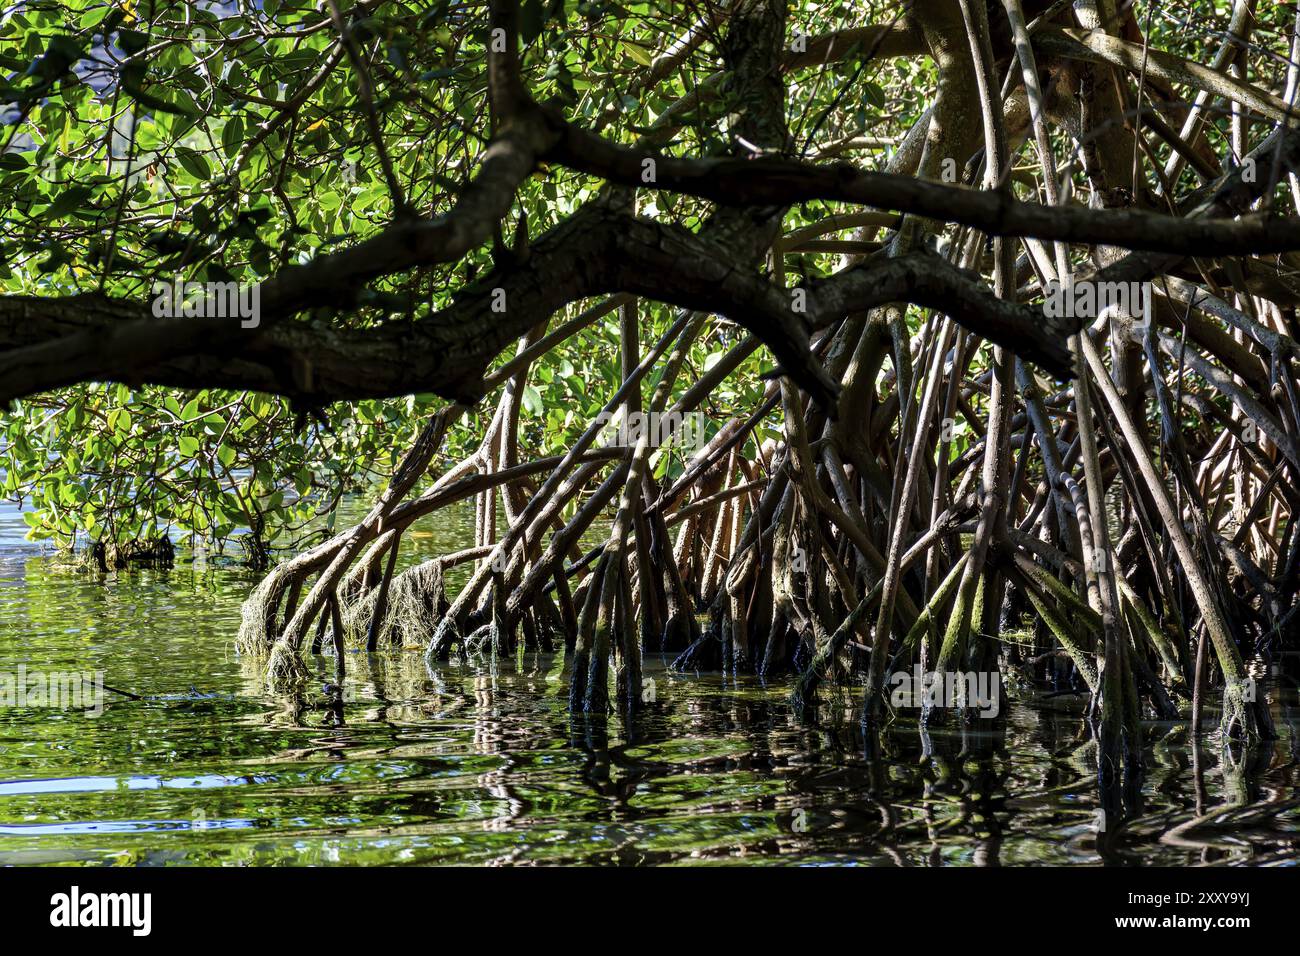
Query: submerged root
column 285, row 667
column 416, row 602
column 255, row 634
column 156, row 552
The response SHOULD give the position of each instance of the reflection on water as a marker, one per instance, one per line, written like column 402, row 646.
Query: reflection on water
column 481, row 763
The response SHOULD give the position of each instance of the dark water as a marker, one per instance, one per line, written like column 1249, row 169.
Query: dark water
column 482, row 764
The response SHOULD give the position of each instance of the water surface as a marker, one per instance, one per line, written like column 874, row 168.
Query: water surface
column 480, row 763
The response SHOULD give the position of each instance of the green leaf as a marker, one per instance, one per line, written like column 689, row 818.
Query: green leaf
column 659, row 461
column 131, row 41
column 532, row 17
column 232, row 136
column 132, row 81
column 638, row 53
column 71, row 198
column 193, row 163
column 533, row 401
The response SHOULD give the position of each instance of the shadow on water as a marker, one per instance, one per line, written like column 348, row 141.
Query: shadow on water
column 482, row 763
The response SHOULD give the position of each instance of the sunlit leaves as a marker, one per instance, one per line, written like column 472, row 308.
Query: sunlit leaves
column 228, row 142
